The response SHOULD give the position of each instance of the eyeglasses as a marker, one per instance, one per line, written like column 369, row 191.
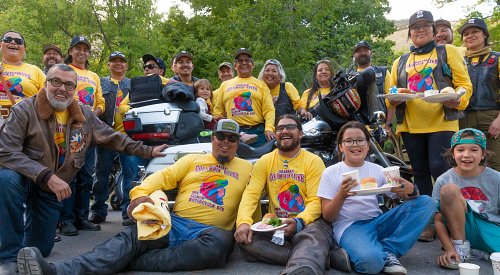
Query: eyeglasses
column 350, row 142
column 150, row 66
column 231, row 138
column 289, row 127
column 422, row 27
column 243, row 61
column 8, row 39
column 56, row 82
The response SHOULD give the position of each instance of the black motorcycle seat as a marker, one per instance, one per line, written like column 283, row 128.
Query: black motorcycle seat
column 247, row 152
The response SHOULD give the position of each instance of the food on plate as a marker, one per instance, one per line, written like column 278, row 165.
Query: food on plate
column 368, row 182
column 405, row 91
column 448, row 90
column 271, row 219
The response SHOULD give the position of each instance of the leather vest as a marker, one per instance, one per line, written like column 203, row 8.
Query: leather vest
column 283, row 104
column 485, row 83
column 109, row 92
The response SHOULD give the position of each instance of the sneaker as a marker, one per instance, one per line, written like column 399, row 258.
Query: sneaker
column 97, row 219
column 87, row 226
column 57, row 238
column 68, row 229
column 339, row 259
column 128, row 222
column 428, row 234
column 463, row 250
column 30, row 262
column 476, row 254
column 393, row 266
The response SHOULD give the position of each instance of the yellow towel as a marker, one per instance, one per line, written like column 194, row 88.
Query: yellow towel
column 158, row 211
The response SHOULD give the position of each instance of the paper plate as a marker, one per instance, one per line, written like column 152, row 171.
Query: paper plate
column 373, row 191
column 400, row 97
column 255, row 227
column 440, row 97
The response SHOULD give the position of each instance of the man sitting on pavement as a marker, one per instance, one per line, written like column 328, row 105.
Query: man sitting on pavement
column 290, row 176
column 42, row 146
column 210, row 189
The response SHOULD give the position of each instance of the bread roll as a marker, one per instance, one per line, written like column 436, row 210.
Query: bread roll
column 368, row 182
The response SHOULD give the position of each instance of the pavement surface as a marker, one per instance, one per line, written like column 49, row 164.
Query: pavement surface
column 421, row 260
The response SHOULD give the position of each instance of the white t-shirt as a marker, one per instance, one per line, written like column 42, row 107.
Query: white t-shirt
column 355, row 208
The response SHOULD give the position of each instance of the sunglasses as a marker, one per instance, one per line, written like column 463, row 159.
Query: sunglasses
column 150, row 66
column 8, row 39
column 231, row 138
column 289, row 127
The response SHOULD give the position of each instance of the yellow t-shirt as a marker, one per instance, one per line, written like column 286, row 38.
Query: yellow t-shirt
column 292, row 191
column 88, row 89
column 292, row 93
column 314, row 99
column 23, row 81
column 120, row 110
column 421, row 116
column 247, row 101
column 209, row 192
column 214, row 96
column 60, row 135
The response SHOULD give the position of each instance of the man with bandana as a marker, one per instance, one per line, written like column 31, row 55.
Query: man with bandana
column 42, row 146
column 210, row 188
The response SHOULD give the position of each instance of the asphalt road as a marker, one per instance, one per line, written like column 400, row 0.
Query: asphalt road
column 420, row 260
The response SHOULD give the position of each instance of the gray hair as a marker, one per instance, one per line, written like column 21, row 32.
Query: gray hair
column 281, row 71
column 62, row 67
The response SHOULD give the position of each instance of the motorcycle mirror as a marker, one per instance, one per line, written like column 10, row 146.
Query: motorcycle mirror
column 379, row 117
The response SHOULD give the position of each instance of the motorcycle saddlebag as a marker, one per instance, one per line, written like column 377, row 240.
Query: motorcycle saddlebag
column 189, row 125
column 145, row 90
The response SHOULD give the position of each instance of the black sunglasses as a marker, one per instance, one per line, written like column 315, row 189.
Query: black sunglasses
column 8, row 39
column 150, row 66
column 231, row 138
column 289, row 127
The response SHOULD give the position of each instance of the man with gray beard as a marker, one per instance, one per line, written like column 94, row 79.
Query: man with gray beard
column 42, row 146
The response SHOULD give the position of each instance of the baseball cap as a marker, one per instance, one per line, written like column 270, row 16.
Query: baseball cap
column 479, row 138
column 227, row 126
column 362, row 44
column 52, row 47
column 117, row 55
column 242, row 51
column 474, row 22
column 181, row 54
column 79, row 39
column 227, row 64
column 442, row 22
column 159, row 61
column 421, row 15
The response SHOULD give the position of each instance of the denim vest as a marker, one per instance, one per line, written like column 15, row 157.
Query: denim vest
column 485, row 83
column 442, row 76
column 283, row 104
column 109, row 92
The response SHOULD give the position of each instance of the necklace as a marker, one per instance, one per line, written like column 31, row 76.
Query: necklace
column 425, row 65
column 286, row 161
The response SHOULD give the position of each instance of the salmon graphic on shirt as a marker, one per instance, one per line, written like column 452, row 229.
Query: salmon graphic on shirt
column 86, row 96
column 290, row 199
column 14, row 86
column 476, row 199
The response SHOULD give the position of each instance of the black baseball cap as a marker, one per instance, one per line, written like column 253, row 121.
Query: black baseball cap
column 442, row 22
column 474, row 22
column 242, row 51
column 362, row 44
column 117, row 55
column 52, row 47
column 421, row 15
column 181, row 54
column 157, row 60
column 79, row 39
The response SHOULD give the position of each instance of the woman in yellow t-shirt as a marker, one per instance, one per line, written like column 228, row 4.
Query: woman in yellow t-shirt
column 322, row 82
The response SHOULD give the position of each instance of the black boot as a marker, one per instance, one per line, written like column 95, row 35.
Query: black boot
column 30, row 262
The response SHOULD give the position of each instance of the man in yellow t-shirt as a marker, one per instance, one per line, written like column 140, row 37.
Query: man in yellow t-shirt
column 247, row 100
column 210, row 188
column 290, row 176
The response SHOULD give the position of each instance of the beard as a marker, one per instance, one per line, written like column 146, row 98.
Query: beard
column 363, row 60
column 295, row 143
column 223, row 159
column 57, row 104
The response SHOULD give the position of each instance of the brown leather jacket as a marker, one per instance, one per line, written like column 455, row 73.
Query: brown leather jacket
column 27, row 143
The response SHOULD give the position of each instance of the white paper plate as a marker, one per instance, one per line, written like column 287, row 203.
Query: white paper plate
column 440, row 97
column 255, row 227
column 373, row 191
column 400, row 97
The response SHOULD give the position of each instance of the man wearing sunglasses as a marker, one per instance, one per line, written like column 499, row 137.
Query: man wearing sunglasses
column 42, row 147
column 247, row 100
column 210, row 188
column 290, row 176
column 18, row 80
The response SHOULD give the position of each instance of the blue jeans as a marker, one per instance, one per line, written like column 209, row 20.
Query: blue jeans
column 76, row 207
column 368, row 241
column 184, row 230
column 105, row 158
column 42, row 213
column 424, row 151
column 259, row 131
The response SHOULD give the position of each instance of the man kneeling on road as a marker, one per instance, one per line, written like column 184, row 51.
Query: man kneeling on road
column 42, row 146
column 210, row 188
column 290, row 176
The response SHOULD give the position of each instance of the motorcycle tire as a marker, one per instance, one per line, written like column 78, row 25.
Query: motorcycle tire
column 116, row 191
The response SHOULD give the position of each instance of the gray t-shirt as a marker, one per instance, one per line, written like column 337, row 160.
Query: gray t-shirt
column 355, row 208
column 481, row 192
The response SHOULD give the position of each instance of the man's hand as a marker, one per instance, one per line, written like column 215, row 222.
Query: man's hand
column 243, row 234
column 59, row 187
column 448, row 257
column 134, row 203
column 269, row 135
column 452, row 103
column 402, row 188
column 305, row 114
column 157, row 151
column 494, row 129
column 291, row 227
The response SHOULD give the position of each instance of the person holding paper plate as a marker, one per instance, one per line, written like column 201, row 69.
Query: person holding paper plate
column 373, row 240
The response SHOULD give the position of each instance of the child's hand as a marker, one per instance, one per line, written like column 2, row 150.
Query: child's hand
column 346, row 186
column 448, row 257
